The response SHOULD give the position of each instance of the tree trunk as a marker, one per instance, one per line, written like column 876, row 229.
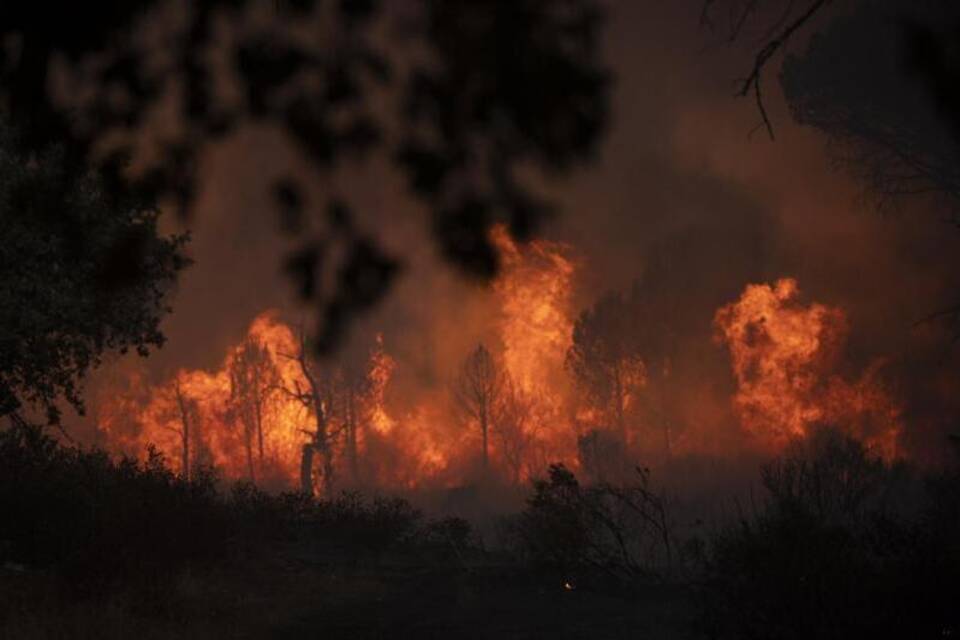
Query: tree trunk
column 186, row 452
column 352, row 436
column 306, row 469
column 327, row 457
column 259, row 417
column 483, row 429
column 249, row 445
column 618, row 397
column 184, row 433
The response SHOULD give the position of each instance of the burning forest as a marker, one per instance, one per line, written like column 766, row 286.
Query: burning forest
column 479, row 319
column 550, row 385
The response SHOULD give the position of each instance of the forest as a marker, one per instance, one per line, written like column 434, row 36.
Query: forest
column 479, row 318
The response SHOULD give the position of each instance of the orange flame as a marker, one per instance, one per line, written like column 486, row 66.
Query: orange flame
column 535, row 290
column 197, row 417
column 194, row 410
column 783, row 354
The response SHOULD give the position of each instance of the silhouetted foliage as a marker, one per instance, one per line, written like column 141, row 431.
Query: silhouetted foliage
column 773, row 24
column 515, row 429
column 99, row 523
column 605, row 360
column 478, row 392
column 450, row 537
column 602, row 456
column 831, row 553
column 459, row 97
column 873, row 81
column 620, row 532
column 253, row 378
column 623, row 355
column 84, row 271
column 879, row 81
column 102, row 525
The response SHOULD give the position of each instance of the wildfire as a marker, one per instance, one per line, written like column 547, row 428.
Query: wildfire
column 535, row 292
column 273, row 414
column 783, row 355
column 268, row 411
column 198, row 419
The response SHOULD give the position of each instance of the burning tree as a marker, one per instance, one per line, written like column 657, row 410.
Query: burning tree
column 338, row 395
column 253, row 380
column 317, row 396
column 182, row 418
column 515, row 429
column 353, row 390
column 604, row 361
column 478, row 390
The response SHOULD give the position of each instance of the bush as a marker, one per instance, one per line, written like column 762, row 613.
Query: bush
column 371, row 526
column 95, row 521
column 831, row 554
column 602, row 531
column 98, row 523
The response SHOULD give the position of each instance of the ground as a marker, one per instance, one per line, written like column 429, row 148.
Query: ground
column 293, row 594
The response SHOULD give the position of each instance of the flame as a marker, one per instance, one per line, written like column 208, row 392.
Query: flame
column 255, row 415
column 783, row 355
column 381, row 371
column 535, row 289
column 196, row 418
column 535, row 293
column 194, row 409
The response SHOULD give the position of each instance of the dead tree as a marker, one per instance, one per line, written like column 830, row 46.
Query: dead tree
column 317, row 396
column 184, row 411
column 477, row 390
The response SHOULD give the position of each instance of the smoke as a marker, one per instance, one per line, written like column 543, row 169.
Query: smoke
column 685, row 198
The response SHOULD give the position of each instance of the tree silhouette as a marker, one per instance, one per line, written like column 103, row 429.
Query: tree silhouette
column 515, row 428
column 253, row 379
column 353, row 387
column 860, row 83
column 84, row 272
column 460, row 97
column 317, row 396
column 604, row 360
column 881, row 84
column 183, row 420
column 477, row 391
column 774, row 24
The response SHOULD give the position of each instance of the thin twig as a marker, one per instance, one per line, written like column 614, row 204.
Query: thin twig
column 763, row 56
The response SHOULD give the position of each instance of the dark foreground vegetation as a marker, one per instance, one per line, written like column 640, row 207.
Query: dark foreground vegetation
column 840, row 545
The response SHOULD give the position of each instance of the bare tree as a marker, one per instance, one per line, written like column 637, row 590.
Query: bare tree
column 514, row 428
column 352, row 394
column 185, row 414
column 253, row 379
column 318, row 397
column 477, row 391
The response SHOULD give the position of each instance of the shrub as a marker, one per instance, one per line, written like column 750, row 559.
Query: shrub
column 619, row 532
column 831, row 554
column 96, row 521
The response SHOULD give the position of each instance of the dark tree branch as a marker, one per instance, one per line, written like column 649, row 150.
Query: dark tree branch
column 776, row 40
